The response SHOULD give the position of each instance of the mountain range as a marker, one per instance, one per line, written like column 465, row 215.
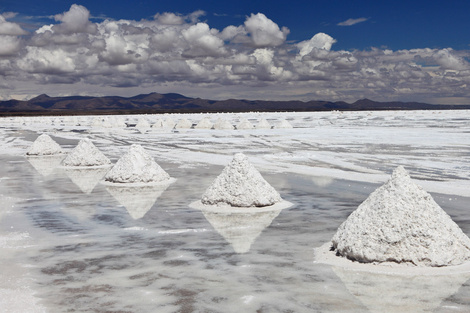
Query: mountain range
column 176, row 103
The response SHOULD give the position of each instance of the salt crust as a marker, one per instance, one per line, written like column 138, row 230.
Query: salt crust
column 137, row 168
column 86, row 155
column 44, row 145
column 400, row 223
column 240, row 185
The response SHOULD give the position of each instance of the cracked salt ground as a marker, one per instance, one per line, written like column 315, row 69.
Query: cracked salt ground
column 72, row 251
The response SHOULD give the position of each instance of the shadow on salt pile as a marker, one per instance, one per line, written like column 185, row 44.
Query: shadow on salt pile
column 137, row 200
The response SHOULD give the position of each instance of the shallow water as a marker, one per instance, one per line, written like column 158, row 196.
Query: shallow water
column 83, row 251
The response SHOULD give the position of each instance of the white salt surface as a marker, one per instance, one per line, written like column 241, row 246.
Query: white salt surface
column 240, row 185
column 44, row 145
column 86, row 154
column 400, row 222
column 137, row 167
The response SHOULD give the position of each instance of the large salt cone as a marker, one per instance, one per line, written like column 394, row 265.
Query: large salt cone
column 240, row 229
column 245, row 124
column 240, row 185
column 44, row 145
column 400, row 222
column 137, row 167
column 86, row 154
column 283, row 124
column 142, row 125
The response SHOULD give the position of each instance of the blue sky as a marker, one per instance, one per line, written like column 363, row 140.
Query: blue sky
column 331, row 50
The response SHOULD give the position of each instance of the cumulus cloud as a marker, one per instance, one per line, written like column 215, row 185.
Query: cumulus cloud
column 352, row 21
column 9, row 28
column 76, row 20
column 186, row 54
column 264, row 32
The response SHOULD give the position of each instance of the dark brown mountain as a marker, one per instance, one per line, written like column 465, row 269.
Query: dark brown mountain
column 173, row 102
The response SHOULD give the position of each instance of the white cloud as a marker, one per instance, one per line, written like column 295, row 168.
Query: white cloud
column 264, row 32
column 169, row 18
column 9, row 28
column 188, row 55
column 319, row 41
column 76, row 20
column 352, row 21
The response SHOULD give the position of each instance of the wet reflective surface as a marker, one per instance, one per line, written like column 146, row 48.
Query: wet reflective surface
column 94, row 248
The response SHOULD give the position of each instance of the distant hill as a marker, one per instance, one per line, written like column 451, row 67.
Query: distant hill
column 176, row 103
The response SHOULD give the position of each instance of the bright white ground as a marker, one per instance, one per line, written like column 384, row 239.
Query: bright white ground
column 68, row 244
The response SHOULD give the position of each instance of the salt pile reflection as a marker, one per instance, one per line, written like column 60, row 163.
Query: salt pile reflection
column 240, row 229
column 45, row 165
column 137, row 200
column 86, row 178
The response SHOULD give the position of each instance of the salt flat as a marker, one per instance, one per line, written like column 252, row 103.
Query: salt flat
column 86, row 251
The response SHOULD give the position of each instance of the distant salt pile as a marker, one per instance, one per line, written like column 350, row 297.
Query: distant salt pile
column 169, row 123
column 222, row 124
column 183, row 124
column 142, row 125
column 205, row 123
column 245, row 124
column 159, row 124
column 283, row 124
column 400, row 222
column 44, row 145
column 137, row 167
column 263, row 124
column 86, row 154
column 241, row 185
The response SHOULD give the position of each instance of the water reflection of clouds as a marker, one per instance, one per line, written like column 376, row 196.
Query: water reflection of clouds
column 137, row 200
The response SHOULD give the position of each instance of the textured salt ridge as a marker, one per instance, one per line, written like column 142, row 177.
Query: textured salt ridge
column 240, row 185
column 400, row 222
column 137, row 166
column 86, row 154
column 44, row 145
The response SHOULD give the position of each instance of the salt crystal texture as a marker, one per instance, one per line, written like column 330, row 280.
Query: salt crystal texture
column 400, row 222
column 44, row 145
column 86, row 154
column 137, row 166
column 240, row 185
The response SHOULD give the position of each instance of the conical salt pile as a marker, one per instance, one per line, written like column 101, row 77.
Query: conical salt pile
column 263, row 124
column 183, row 123
column 400, row 222
column 44, row 145
column 137, row 166
column 159, row 124
column 169, row 123
column 222, row 124
column 245, row 124
column 142, row 125
column 240, row 185
column 86, row 154
column 205, row 123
